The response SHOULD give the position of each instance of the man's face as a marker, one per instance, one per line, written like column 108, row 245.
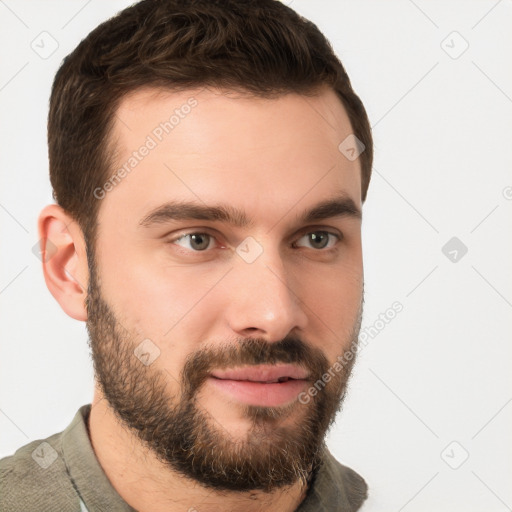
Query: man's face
column 228, row 257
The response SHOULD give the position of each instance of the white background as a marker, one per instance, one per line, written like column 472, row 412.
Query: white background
column 440, row 371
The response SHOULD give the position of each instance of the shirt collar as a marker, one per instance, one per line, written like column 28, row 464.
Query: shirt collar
column 85, row 471
column 333, row 486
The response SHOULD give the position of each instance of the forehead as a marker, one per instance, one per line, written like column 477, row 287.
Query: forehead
column 265, row 156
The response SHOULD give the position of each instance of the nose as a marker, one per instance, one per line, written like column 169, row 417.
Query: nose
column 262, row 299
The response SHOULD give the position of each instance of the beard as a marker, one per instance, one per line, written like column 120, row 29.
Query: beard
column 185, row 437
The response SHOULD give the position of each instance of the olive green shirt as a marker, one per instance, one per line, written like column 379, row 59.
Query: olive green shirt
column 61, row 474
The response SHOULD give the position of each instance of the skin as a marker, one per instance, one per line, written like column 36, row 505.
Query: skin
column 272, row 159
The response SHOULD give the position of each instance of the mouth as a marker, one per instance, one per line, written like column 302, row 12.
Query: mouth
column 263, row 373
column 264, row 385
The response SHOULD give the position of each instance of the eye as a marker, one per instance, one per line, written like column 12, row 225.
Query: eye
column 196, row 241
column 318, row 240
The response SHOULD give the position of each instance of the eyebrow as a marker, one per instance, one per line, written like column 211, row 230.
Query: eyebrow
column 339, row 206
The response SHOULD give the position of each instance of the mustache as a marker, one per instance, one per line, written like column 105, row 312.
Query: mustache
column 251, row 351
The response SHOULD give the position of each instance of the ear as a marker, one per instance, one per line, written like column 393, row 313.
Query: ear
column 64, row 260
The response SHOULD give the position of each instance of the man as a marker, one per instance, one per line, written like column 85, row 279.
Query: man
column 209, row 160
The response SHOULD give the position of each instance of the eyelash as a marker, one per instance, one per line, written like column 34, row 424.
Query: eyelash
column 337, row 236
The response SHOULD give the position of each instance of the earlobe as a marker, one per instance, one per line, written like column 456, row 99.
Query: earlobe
column 64, row 260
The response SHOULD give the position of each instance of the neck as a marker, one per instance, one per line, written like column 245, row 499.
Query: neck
column 147, row 485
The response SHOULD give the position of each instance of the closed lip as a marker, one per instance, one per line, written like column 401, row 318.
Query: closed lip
column 262, row 373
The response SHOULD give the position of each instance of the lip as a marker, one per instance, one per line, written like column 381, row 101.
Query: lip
column 262, row 373
column 259, row 386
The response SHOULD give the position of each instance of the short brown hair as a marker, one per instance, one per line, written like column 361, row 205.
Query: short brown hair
column 261, row 47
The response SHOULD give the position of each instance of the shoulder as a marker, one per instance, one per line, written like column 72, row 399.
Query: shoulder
column 35, row 478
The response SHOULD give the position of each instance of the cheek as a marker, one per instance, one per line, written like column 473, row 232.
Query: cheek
column 332, row 300
column 133, row 283
column 337, row 300
column 151, row 307
column 140, row 298
column 166, row 303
